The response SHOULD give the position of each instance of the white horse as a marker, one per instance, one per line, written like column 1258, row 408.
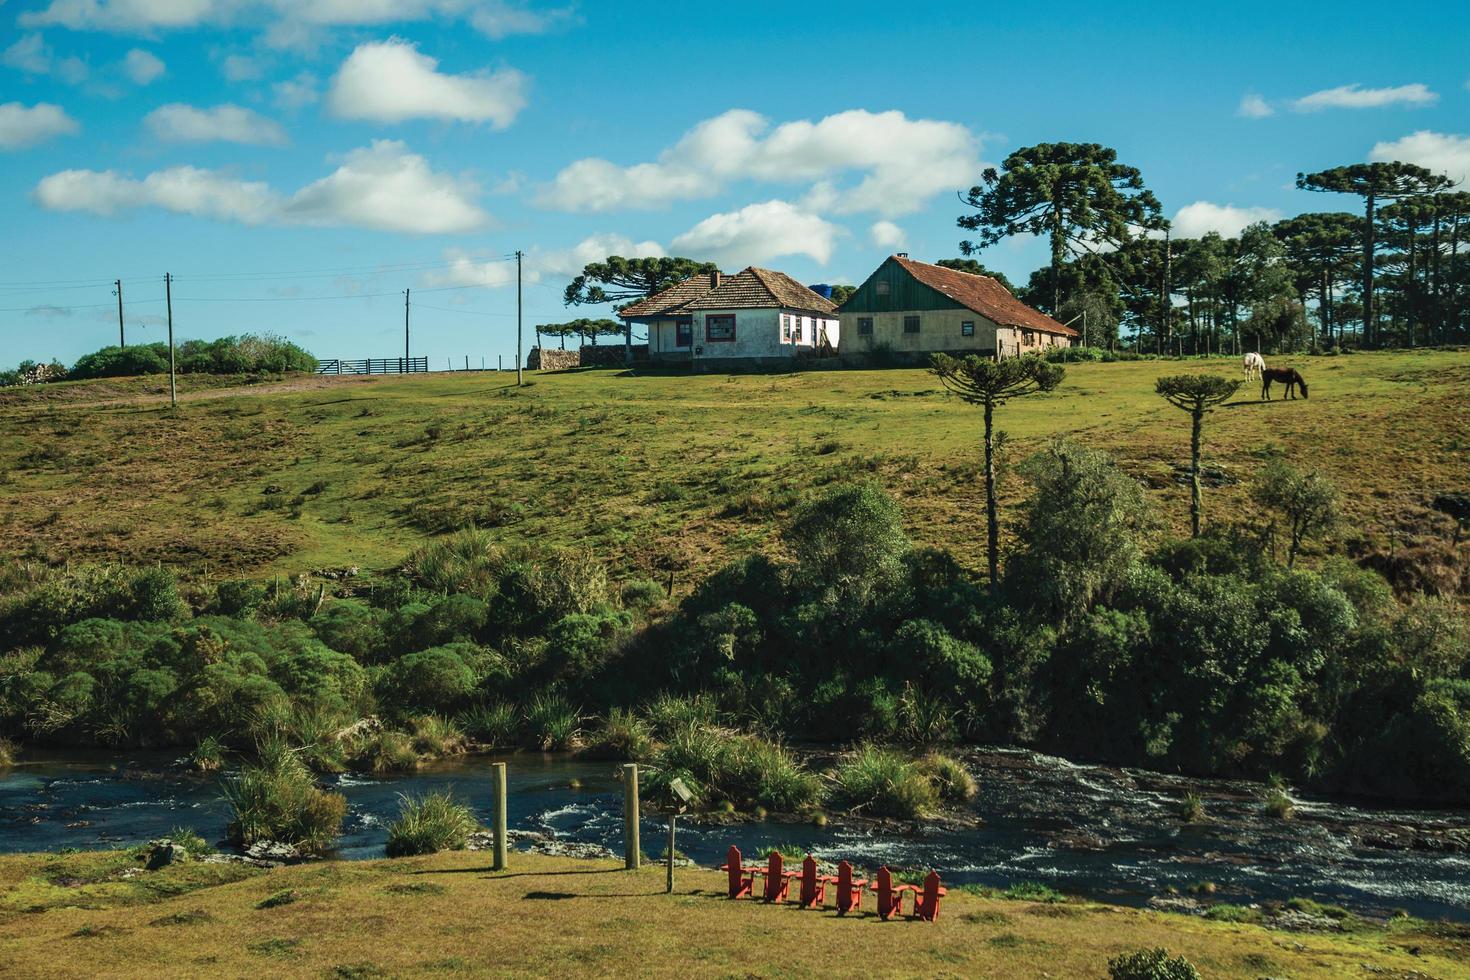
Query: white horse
column 1254, row 365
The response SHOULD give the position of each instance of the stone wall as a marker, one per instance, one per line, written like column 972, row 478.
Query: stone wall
column 612, row 355
column 552, row 360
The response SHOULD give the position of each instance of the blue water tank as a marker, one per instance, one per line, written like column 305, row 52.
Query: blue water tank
column 822, row 289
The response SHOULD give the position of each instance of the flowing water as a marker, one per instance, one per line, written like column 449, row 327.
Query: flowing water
column 1107, row 833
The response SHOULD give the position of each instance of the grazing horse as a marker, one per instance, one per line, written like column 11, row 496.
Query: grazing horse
column 1254, row 365
column 1290, row 377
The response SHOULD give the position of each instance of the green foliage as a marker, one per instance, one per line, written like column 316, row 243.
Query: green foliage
column 493, row 724
column 1192, row 809
column 1306, row 503
column 621, row 280
column 208, row 755
column 670, row 713
column 1151, row 964
column 552, row 723
column 277, row 800
column 387, row 751
column 438, row 679
column 950, row 777
column 9, row 752
column 430, row 823
column 248, row 354
column 719, row 764
column 848, row 545
column 624, row 735
column 435, row 735
column 881, row 782
column 1033, row 891
column 1279, row 805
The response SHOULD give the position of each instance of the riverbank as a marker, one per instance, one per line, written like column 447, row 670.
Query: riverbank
column 100, row 915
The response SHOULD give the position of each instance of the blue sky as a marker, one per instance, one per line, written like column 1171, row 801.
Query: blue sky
column 297, row 165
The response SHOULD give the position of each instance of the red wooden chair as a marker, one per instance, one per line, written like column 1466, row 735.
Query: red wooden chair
column 890, row 896
column 813, row 886
column 926, row 901
column 742, row 879
column 778, row 881
column 849, row 889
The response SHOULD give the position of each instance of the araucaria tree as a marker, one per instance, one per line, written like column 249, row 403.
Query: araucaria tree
column 621, row 281
column 1374, row 182
column 1195, row 394
column 1075, row 194
column 987, row 383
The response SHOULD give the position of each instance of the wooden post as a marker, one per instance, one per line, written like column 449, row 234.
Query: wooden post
column 499, row 810
column 173, row 386
column 632, row 856
column 669, row 881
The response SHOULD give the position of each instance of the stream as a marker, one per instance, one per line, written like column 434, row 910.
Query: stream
column 1107, row 833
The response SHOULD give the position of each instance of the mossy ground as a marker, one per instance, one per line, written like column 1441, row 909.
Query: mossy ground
column 450, row 914
column 658, row 473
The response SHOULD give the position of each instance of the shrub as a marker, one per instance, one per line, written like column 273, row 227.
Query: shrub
column 208, row 755
column 722, row 765
column 1226, row 912
column 849, row 545
column 437, row 679
column 1151, row 964
column 238, row 598
column 643, row 594
column 1033, row 891
column 277, row 800
column 189, row 839
column 436, row 735
column 1279, row 805
column 623, row 735
column 883, row 783
column 8, row 753
column 388, row 751
column 552, row 722
column 493, row 724
column 950, row 777
column 669, row 713
column 1192, row 809
column 430, row 823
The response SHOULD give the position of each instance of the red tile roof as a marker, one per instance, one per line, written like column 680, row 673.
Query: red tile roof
column 671, row 299
column 756, row 289
column 984, row 295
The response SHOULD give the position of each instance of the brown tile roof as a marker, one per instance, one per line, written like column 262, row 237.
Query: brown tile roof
column 983, row 295
column 671, row 299
column 755, row 288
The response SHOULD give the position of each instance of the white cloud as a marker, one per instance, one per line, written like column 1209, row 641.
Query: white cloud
column 900, row 163
column 569, row 262
column 142, row 67
column 465, row 269
column 392, row 81
column 32, row 55
column 386, row 187
column 1356, row 97
column 21, row 126
column 1252, row 106
column 383, row 187
column 285, row 18
column 179, row 123
column 1439, row 152
column 886, row 234
column 296, row 93
column 1194, row 220
column 757, row 233
column 239, row 68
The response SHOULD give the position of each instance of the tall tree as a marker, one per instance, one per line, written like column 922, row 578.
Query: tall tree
column 1320, row 247
column 1075, row 194
column 1374, row 182
column 621, row 281
column 1197, row 394
column 1256, row 272
column 990, row 384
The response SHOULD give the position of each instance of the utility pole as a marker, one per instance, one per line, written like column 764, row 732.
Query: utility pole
column 406, row 366
column 122, row 339
column 519, row 330
column 168, row 294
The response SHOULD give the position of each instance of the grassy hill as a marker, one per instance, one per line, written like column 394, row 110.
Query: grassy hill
column 657, row 473
column 450, row 914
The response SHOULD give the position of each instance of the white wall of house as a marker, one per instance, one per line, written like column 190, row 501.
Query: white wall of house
column 663, row 338
column 762, row 333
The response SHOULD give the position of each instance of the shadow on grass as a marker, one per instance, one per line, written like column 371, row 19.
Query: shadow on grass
column 490, row 872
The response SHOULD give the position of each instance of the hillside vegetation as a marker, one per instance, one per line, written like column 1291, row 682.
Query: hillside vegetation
column 663, row 474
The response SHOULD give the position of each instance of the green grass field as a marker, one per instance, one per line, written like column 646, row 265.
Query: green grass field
column 656, row 473
column 450, row 914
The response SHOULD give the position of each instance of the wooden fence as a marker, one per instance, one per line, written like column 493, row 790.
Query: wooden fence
column 375, row 365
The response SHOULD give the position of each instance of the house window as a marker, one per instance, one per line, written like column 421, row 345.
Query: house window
column 1028, row 338
column 683, row 331
column 865, row 326
column 882, row 287
column 798, row 329
column 719, row 327
column 910, row 324
column 967, row 328
column 785, row 329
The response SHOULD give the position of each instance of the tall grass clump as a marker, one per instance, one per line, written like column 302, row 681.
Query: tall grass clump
column 723, row 765
column 624, row 735
column 1192, row 810
column 1151, row 964
column 883, row 783
column 430, row 823
column 277, row 800
column 387, row 751
column 552, row 723
column 670, row 713
column 950, row 777
column 435, row 735
column 493, row 724
column 208, row 755
column 8, row 753
column 1279, row 805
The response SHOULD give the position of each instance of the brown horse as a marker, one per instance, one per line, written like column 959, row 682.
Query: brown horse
column 1290, row 377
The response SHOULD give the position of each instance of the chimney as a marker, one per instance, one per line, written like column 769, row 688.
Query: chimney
column 714, row 279
column 903, row 255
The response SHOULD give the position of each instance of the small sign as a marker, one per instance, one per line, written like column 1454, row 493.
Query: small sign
column 681, row 791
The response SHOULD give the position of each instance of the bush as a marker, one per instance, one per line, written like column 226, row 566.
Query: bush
column 387, row 751
column 494, row 724
column 624, row 735
column 430, row 823
column 9, row 751
column 643, row 594
column 849, row 545
column 552, row 723
column 1226, row 912
column 435, row 735
column 277, row 800
column 669, row 713
column 950, row 777
column 1151, row 964
column 1192, row 809
column 437, row 679
column 208, row 755
column 1279, row 805
column 722, row 765
column 883, row 783
column 1033, row 891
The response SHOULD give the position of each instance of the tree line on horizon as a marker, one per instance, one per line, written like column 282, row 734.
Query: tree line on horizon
column 1394, row 275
